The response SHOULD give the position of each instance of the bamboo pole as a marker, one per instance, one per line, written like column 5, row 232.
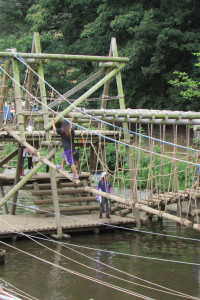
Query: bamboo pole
column 20, row 119
column 24, row 180
column 67, row 200
column 60, row 191
column 161, row 214
column 144, row 114
column 68, row 209
column 4, row 88
column 64, row 57
column 1, row 196
column 133, row 182
column 48, row 185
column 111, row 119
column 17, row 179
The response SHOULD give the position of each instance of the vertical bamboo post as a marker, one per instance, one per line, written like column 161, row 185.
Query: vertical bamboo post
column 103, row 105
column 4, row 88
column 20, row 118
column 29, row 85
column 133, row 184
column 1, row 196
column 48, row 137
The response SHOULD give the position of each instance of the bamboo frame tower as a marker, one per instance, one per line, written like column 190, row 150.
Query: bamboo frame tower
column 110, row 68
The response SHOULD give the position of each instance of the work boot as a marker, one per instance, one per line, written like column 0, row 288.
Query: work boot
column 100, row 216
column 108, row 217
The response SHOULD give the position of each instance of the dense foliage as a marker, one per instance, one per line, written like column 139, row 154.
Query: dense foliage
column 158, row 36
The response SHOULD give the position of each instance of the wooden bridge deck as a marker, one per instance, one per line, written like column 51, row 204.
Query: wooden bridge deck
column 13, row 225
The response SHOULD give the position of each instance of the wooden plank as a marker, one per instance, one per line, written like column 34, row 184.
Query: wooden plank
column 10, row 225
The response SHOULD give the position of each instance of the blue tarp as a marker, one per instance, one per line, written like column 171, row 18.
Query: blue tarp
column 7, row 111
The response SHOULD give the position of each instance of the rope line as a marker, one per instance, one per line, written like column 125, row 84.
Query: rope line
column 79, row 274
column 136, row 133
column 105, row 137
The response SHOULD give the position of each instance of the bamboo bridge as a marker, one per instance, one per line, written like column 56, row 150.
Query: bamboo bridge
column 140, row 162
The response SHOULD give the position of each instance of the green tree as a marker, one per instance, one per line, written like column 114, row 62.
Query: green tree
column 158, row 36
column 188, row 87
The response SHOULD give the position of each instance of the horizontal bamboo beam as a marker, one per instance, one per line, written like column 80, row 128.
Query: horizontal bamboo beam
column 64, row 57
column 161, row 214
column 48, row 185
column 78, row 133
column 143, row 113
column 63, row 192
column 67, row 200
column 69, row 209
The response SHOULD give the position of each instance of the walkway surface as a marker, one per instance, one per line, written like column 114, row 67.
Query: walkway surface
column 11, row 225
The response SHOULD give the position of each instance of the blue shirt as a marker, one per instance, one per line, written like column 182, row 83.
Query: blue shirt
column 198, row 169
column 105, row 186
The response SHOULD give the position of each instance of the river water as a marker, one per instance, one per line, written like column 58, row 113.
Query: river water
column 44, row 280
column 49, row 273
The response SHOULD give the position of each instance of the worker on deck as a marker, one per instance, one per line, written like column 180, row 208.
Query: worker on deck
column 104, row 185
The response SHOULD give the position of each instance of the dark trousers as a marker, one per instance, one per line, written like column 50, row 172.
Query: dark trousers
column 30, row 163
column 102, row 204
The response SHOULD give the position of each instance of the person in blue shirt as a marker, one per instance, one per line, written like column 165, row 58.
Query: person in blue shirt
column 105, row 186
